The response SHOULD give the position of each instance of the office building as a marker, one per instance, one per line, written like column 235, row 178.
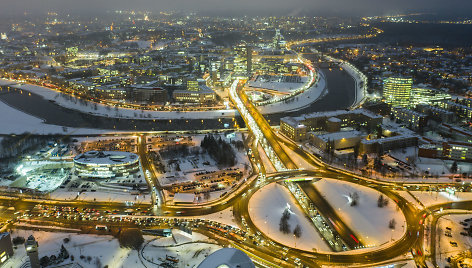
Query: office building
column 293, row 129
column 397, row 91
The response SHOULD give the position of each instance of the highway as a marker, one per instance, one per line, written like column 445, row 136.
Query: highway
column 325, row 209
column 254, row 242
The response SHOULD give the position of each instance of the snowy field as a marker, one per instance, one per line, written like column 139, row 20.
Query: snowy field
column 444, row 248
column 265, row 209
column 102, row 110
column 367, row 220
column 105, row 250
column 14, row 121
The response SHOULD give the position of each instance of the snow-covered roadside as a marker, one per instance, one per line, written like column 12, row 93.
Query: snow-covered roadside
column 370, row 222
column 103, row 110
column 299, row 101
column 265, row 209
column 101, row 196
column 433, row 198
column 105, row 250
column 13, row 121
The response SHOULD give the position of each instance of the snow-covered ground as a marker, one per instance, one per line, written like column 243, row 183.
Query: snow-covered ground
column 433, row 198
column 14, row 121
column 299, row 101
column 277, row 85
column 102, row 110
column 265, row 209
column 224, row 216
column 105, row 250
column 103, row 196
column 368, row 221
column 444, row 248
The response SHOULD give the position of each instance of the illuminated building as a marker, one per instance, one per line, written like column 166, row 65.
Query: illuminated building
column 331, row 121
column 397, row 91
column 203, row 95
column 410, row 118
column 6, row 247
column 427, row 95
column 459, row 151
column 390, row 143
column 341, row 140
column 151, row 93
column 32, row 251
column 106, row 164
column 293, row 129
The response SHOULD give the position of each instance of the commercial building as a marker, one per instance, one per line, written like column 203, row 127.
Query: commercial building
column 6, row 247
column 397, row 91
column 106, row 164
column 427, row 96
column 390, row 143
column 201, row 96
column 150, row 93
column 341, row 140
column 331, row 121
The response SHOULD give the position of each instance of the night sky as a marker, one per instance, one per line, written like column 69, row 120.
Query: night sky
column 239, row 7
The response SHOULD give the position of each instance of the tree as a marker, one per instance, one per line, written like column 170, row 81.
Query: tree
column 18, row 240
column 354, row 199
column 297, row 231
column 365, row 159
column 44, row 261
column 131, row 238
column 454, row 167
column 64, row 254
column 206, row 196
column 284, row 226
column 382, row 201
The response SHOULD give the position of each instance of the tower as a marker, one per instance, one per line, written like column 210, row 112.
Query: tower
column 32, row 250
column 397, row 91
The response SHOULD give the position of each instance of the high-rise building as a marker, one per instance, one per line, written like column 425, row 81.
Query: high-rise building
column 192, row 85
column 249, row 59
column 397, row 91
column 32, row 250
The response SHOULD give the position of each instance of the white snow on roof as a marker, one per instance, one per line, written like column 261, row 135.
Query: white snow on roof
column 106, row 157
column 227, row 257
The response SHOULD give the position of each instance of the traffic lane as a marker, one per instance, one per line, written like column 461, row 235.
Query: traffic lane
column 327, row 211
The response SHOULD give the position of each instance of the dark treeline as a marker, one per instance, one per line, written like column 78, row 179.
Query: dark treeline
column 220, row 150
